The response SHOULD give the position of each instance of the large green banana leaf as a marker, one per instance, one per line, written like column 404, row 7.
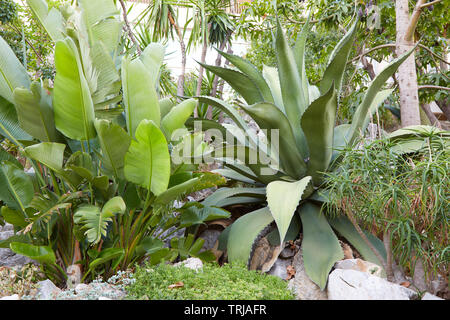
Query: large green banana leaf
column 321, row 248
column 9, row 123
column 147, row 162
column 153, row 57
column 16, row 189
column 114, row 143
column 49, row 154
column 12, row 72
column 42, row 254
column 35, row 112
column 139, row 94
column 96, row 221
column 74, row 109
column 283, row 199
column 52, row 21
column 177, row 116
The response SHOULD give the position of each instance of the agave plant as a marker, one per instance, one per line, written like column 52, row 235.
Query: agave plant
column 103, row 174
column 309, row 139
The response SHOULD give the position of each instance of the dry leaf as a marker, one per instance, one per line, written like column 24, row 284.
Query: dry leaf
column 405, row 284
column 290, row 271
column 179, row 284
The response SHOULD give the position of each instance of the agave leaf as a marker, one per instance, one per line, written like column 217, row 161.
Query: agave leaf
column 252, row 72
column 294, row 100
column 299, row 54
column 346, row 229
column 321, row 248
column 239, row 82
column 17, row 188
column 42, row 254
column 283, row 210
column 243, row 233
column 114, row 143
column 339, row 139
column 73, row 106
column 337, row 62
column 177, row 116
column 238, row 200
column 198, row 214
column 147, row 161
column 52, row 21
column 12, row 72
column 224, row 193
column 35, row 113
column 139, row 95
column 318, row 125
column 269, row 117
column 270, row 74
column 233, row 175
column 360, row 116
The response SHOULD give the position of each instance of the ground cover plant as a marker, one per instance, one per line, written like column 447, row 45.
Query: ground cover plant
column 212, row 282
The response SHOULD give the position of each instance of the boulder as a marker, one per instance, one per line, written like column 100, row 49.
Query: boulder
column 191, row 263
column 47, row 290
column 345, row 284
column 359, row 265
column 429, row 296
column 279, row 268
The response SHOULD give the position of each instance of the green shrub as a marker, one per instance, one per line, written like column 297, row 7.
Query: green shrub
column 229, row 282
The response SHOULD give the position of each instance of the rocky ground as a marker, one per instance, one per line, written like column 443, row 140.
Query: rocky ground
column 350, row 279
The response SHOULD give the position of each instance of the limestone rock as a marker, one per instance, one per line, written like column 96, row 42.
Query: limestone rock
column 359, row 265
column 355, row 285
column 302, row 286
column 47, row 290
column 279, row 268
column 191, row 263
column 429, row 296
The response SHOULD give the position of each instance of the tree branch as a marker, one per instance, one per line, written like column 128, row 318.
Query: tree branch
column 127, row 25
column 429, row 86
column 430, row 3
column 413, row 21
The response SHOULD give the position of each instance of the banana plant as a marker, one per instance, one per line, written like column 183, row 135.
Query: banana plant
column 103, row 182
column 308, row 141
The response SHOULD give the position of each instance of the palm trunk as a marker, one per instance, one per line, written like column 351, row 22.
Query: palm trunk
column 407, row 75
column 180, row 84
column 200, row 75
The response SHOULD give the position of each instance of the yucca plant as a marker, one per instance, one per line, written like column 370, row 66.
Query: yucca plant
column 99, row 143
column 309, row 139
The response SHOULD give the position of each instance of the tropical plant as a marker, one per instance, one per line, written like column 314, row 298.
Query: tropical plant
column 398, row 187
column 103, row 183
column 307, row 138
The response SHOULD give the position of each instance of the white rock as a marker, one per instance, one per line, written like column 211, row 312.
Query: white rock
column 13, row 297
column 429, row 296
column 360, row 265
column 81, row 287
column 355, row 285
column 104, row 298
column 47, row 290
column 191, row 263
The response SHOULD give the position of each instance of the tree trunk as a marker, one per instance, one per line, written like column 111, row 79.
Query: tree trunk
column 200, row 74
column 180, row 84
column 430, row 115
column 407, row 76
